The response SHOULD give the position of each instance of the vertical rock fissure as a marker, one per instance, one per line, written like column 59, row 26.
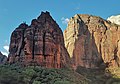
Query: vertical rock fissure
column 22, row 45
column 44, row 34
column 22, row 39
column 116, row 57
column 33, row 44
column 89, row 19
column 44, row 45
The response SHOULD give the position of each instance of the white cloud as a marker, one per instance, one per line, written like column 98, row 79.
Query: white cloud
column 4, row 53
column 64, row 20
column 6, row 48
column 115, row 19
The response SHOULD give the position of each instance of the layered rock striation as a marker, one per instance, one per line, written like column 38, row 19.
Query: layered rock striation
column 41, row 44
column 92, row 42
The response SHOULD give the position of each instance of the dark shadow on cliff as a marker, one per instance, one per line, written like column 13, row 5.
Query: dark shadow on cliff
column 93, row 66
column 86, row 53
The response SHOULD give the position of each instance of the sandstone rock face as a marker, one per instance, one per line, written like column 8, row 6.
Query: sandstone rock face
column 92, row 41
column 41, row 44
column 3, row 58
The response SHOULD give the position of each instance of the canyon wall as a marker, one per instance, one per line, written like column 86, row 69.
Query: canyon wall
column 92, row 42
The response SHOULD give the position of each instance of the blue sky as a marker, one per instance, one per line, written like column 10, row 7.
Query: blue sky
column 14, row 12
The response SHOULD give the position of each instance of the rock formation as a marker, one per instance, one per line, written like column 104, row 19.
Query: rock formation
column 3, row 58
column 41, row 44
column 92, row 42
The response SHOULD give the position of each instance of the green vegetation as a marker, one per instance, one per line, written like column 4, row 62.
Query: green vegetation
column 97, row 76
column 10, row 74
column 115, row 72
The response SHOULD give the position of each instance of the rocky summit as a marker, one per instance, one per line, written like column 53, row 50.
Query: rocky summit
column 92, row 42
column 40, row 44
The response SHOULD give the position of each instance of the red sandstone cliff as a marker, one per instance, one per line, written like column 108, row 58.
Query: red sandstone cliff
column 41, row 44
